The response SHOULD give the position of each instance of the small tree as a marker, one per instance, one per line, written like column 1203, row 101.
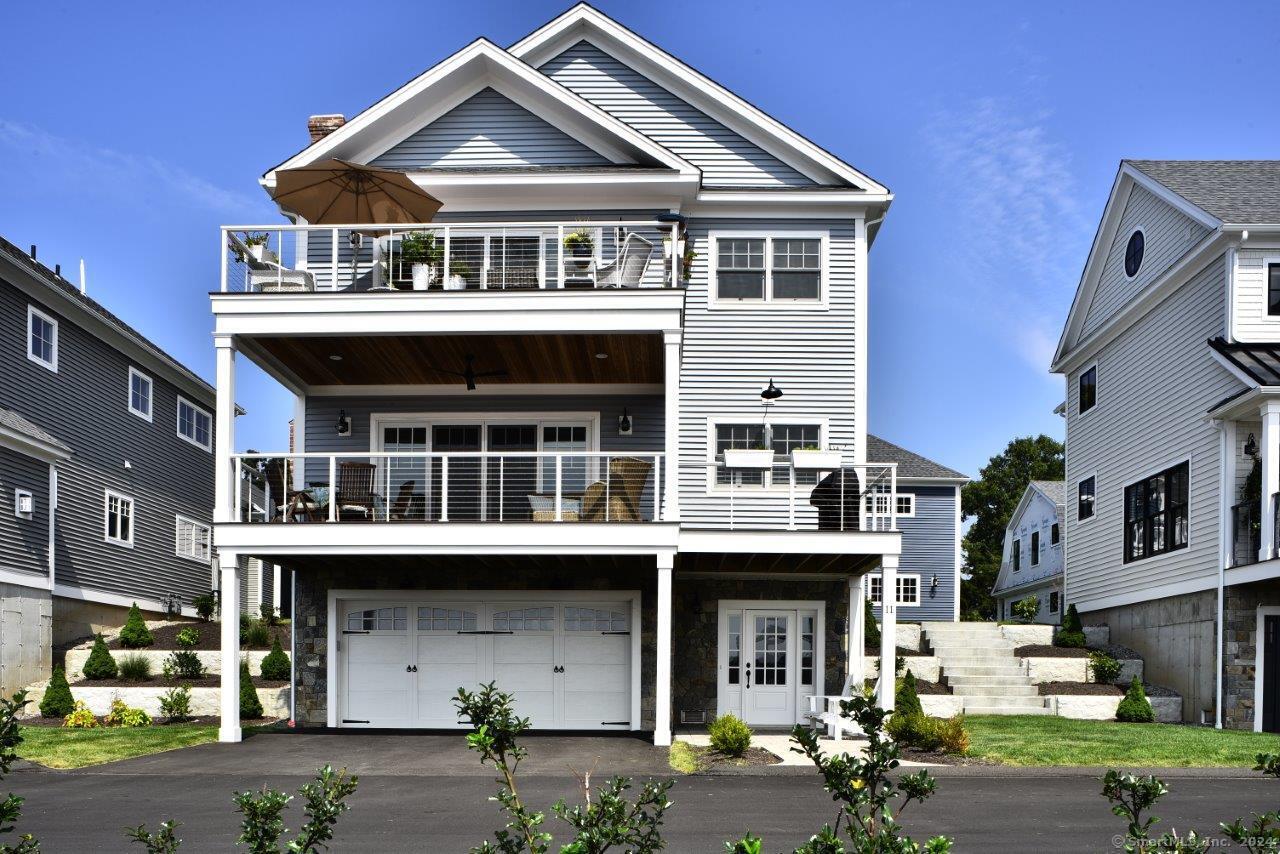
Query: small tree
column 135, row 634
column 1135, row 708
column 206, row 604
column 100, row 664
column 1072, row 632
column 871, row 629
column 276, row 664
column 57, row 701
column 905, row 700
column 250, row 705
column 1027, row 608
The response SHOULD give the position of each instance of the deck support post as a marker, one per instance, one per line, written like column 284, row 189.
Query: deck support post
column 888, row 630
column 857, row 636
column 671, row 343
column 662, row 670
column 224, row 431
column 229, row 614
column 1270, row 477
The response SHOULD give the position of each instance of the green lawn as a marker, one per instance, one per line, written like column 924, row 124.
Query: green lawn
column 1047, row 740
column 56, row 747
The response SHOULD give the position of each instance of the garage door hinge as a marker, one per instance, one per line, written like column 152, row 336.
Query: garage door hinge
column 615, row 633
column 353, row 632
column 353, row 721
column 615, row 723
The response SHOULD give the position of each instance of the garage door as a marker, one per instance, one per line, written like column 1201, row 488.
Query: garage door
column 568, row 663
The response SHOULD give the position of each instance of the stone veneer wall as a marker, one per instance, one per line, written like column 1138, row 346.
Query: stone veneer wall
column 1240, row 656
column 695, row 631
column 314, row 584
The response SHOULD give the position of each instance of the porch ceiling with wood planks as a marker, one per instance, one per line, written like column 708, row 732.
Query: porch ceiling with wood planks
column 421, row 359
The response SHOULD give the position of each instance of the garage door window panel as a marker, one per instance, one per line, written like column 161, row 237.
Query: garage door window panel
column 378, row 620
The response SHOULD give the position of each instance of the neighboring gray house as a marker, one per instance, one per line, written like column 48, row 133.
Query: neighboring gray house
column 1032, row 563
column 1171, row 355
column 106, row 470
column 929, row 517
column 540, row 437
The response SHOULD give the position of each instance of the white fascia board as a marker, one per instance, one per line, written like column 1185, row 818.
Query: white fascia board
column 928, row 481
column 730, row 196
column 33, row 580
column 1245, row 405
column 1232, row 368
column 584, row 23
column 470, row 69
column 1149, row 594
column 1025, row 501
column 1264, row 571
column 1028, row 586
column 791, row 542
column 86, row 594
column 31, row 446
column 490, row 390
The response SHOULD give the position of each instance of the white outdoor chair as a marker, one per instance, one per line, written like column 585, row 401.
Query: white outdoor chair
column 627, row 270
column 824, row 711
column 268, row 275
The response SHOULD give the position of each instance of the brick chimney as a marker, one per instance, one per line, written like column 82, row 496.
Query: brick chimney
column 321, row 126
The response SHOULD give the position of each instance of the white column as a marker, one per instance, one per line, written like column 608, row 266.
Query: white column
column 229, row 725
column 1270, row 475
column 662, row 670
column 857, row 635
column 888, row 629
column 224, row 430
column 671, row 339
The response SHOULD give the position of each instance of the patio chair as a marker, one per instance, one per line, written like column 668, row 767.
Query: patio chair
column 618, row 500
column 628, row 268
column 289, row 504
column 839, row 501
column 355, row 489
column 403, row 507
column 268, row 275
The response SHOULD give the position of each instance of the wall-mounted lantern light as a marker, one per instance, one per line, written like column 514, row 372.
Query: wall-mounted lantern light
column 344, row 423
column 624, row 423
column 1251, row 447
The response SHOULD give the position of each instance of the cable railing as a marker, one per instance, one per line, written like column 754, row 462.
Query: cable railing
column 503, row 256
column 775, row 493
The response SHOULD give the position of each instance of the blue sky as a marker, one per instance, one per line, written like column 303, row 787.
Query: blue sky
column 129, row 132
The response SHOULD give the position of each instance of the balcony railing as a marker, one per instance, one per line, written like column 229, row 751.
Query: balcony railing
column 783, row 497
column 505, row 256
column 1246, row 533
column 413, row 486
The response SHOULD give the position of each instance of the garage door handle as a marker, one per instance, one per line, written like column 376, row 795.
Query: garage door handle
column 558, row 669
column 411, row 668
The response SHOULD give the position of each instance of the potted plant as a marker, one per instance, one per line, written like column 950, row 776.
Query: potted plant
column 457, row 279
column 418, row 249
column 810, row 457
column 256, row 243
column 755, row 457
column 581, row 246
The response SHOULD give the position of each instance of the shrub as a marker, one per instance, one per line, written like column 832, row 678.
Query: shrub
column 187, row 638
column 135, row 634
column 57, row 701
column 11, row 805
column 953, row 735
column 135, row 667
column 1071, row 620
column 267, row 614
column 175, row 704
column 256, row 635
column 100, row 664
column 80, row 718
column 276, row 663
column 913, row 730
column 871, row 629
column 123, row 716
column 183, row 664
column 250, row 705
column 1026, row 609
column 1103, row 667
column 899, row 662
column 206, row 604
column 1135, row 708
column 905, row 700
column 1073, row 640
column 729, row 735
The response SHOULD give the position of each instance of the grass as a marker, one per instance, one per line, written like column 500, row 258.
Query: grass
column 1047, row 740
column 683, row 757
column 55, row 747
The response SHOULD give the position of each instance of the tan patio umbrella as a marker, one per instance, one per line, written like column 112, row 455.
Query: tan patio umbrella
column 335, row 192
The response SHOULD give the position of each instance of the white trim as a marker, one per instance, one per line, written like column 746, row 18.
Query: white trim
column 18, row 495
column 1097, row 397
column 25, row 443
column 32, row 313
column 53, row 522
column 151, row 395
column 33, row 580
column 191, row 440
column 1263, row 570
column 861, row 346
column 767, row 486
column 589, row 419
column 768, row 302
column 1260, row 661
column 910, row 498
column 84, row 594
column 106, row 517
column 1138, row 229
column 489, row 390
column 778, row 541
column 897, row 592
column 1076, row 498
column 178, row 519
column 798, row 607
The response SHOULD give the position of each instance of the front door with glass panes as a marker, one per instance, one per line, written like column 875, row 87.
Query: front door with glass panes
column 768, row 662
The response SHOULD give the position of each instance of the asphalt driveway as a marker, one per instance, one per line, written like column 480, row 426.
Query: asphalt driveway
column 425, row 793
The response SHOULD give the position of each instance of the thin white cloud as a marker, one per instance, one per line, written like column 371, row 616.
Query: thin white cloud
column 110, row 171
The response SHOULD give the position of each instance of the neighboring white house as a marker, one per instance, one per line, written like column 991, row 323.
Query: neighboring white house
column 1171, row 355
column 1032, row 562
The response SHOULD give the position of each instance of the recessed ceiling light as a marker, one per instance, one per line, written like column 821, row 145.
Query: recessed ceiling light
column 335, row 358
column 602, row 355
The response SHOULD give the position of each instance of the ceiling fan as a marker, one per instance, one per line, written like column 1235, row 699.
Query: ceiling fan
column 469, row 373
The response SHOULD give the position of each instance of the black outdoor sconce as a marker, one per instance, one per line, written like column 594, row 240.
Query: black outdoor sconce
column 344, row 423
column 624, row 423
column 1251, row 447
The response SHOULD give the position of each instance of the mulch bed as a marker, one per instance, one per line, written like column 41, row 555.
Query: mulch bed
column 709, row 759
column 1044, row 650
column 158, row 721
column 1097, row 689
column 902, row 650
column 934, row 758
column 210, row 637
column 158, row 681
column 922, row 687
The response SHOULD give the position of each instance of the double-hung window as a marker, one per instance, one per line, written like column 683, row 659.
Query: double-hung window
column 1273, row 289
column 1088, row 390
column 1054, row 601
column 770, row 268
column 139, row 394
column 1085, row 498
column 785, row 438
column 119, row 519
column 908, row 589
column 1035, row 548
column 1155, row 514
column 1055, row 534
column 42, row 338
column 192, row 539
column 194, row 424
column 782, row 439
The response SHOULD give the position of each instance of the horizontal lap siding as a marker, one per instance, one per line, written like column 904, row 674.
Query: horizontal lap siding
column 1167, row 234
column 725, row 157
column 488, row 129
column 85, row 406
column 1040, row 515
column 729, row 355
column 928, row 549
column 1252, row 321
column 1156, row 382
column 24, row 543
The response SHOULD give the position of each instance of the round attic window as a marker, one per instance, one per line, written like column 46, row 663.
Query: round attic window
column 1133, row 254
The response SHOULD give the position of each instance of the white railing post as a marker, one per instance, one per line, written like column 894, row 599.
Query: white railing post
column 658, row 462
column 279, row 258
column 223, row 250
column 791, row 500
column 502, row 489
column 560, row 256
column 444, row 489
column 559, row 462
column 333, row 269
column 239, row 476
column 333, row 488
column 893, row 498
column 386, row 495
column 266, row 490
column 444, row 272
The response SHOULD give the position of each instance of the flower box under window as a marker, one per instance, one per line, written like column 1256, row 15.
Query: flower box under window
column 815, row 459
column 748, row 458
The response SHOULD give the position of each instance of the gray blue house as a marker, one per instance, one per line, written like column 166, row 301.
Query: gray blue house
column 106, row 470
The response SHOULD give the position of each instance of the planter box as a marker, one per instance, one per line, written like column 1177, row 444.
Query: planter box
column 941, row 705
column 210, row 658
column 924, row 667
column 1168, row 709
column 820, row 460
column 1028, row 634
column 204, row 701
column 748, row 459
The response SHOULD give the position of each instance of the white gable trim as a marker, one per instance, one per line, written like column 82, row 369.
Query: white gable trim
column 584, row 23
column 450, row 82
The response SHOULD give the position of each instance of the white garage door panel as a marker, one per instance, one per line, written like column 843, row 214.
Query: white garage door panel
column 445, row 664
column 523, row 665
column 597, row 680
column 377, row 684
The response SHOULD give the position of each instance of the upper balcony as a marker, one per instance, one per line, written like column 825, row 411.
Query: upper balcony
column 566, row 276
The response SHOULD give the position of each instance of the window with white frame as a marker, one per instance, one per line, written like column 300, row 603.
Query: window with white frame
column 192, row 539
column 906, row 504
column 768, row 268
column 119, row 519
column 908, row 588
column 1085, row 496
column 194, row 424
column 782, row 439
column 139, row 394
column 42, row 338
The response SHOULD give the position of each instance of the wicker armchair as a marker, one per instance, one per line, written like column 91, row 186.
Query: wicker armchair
column 618, row 500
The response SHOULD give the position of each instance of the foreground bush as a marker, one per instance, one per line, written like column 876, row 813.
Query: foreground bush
column 250, row 705
column 11, row 806
column 1105, row 668
column 135, row 634
column 608, row 822
column 175, row 704
column 1135, row 707
column 187, row 638
column 1071, row 634
column 276, row 664
column 206, row 604
column 871, row 629
column 80, row 718
column 729, row 735
column 100, row 664
column 905, row 699
column 57, row 701
column 183, row 664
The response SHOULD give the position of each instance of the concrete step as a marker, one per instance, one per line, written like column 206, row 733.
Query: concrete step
column 984, row 690
column 983, row 670
column 955, row 681
column 989, row 652
column 1002, row 710
column 994, row 702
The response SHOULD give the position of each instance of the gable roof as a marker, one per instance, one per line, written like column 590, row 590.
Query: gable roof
column 911, row 466
column 584, row 22
column 1244, row 192
column 17, row 431
column 1054, row 490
